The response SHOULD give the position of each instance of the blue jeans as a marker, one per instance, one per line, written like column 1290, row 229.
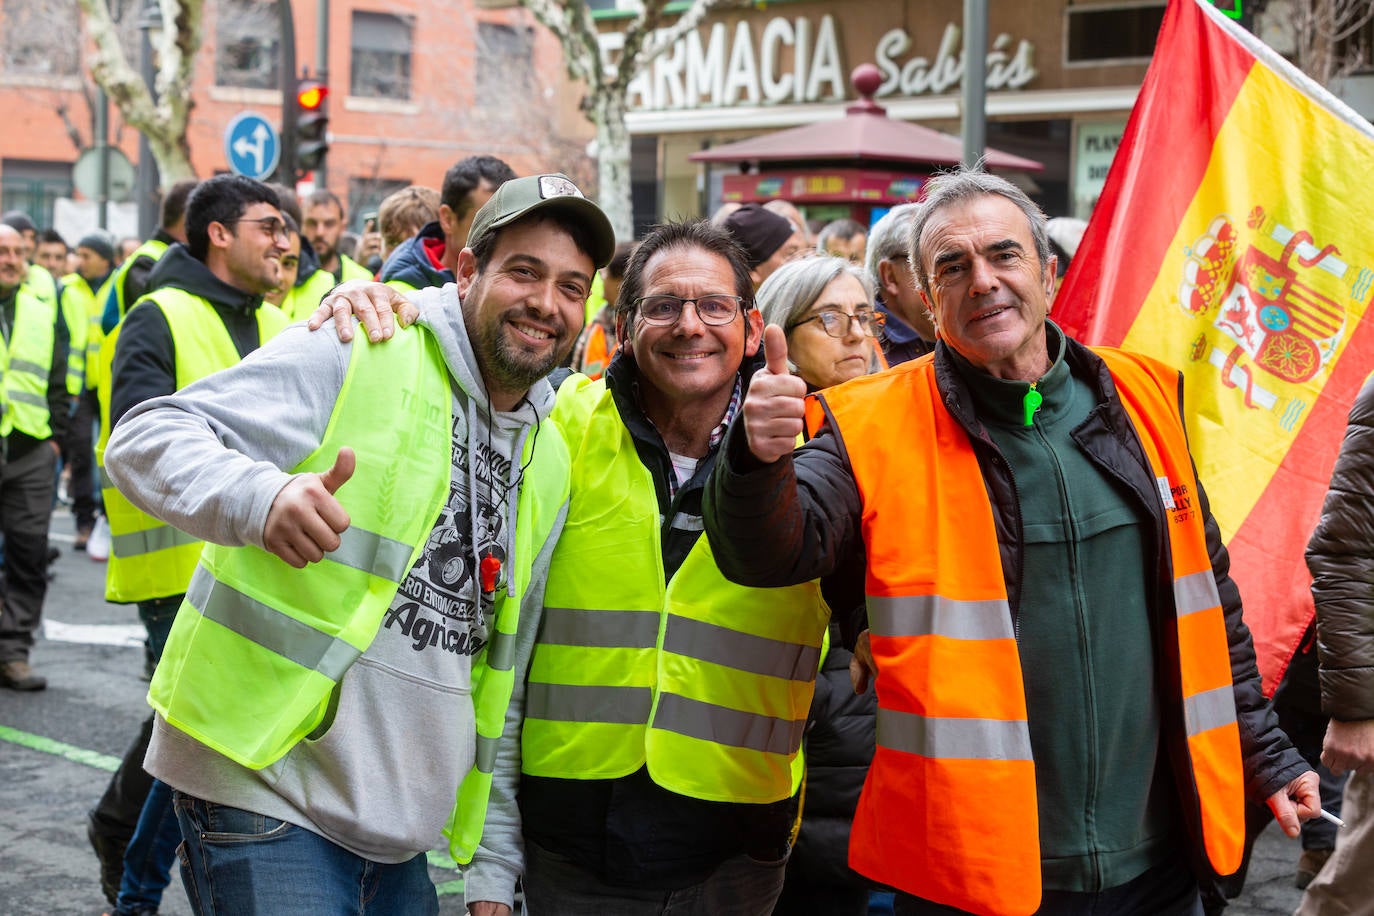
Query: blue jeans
column 148, row 859
column 237, row 863
column 742, row 886
column 157, row 616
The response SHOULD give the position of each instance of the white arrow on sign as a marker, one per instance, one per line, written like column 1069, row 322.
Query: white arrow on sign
column 257, row 149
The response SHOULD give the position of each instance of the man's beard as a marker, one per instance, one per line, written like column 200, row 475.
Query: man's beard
column 512, row 368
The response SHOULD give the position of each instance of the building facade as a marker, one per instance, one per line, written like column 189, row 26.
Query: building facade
column 415, row 85
column 1062, row 76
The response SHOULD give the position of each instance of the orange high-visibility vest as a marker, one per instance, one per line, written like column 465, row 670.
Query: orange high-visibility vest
column 601, row 346
column 948, row 812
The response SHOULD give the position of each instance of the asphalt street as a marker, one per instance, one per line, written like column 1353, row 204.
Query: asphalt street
column 59, row 746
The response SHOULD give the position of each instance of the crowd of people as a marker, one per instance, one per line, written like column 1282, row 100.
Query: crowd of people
column 749, row 567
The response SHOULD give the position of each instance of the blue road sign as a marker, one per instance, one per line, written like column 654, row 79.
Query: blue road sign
column 251, row 145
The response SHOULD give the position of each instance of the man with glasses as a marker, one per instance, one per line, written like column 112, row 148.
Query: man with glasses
column 204, row 311
column 665, row 706
column 907, row 329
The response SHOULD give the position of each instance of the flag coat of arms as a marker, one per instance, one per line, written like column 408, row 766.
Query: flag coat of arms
column 1235, row 240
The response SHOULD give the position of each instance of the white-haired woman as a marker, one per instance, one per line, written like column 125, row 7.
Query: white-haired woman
column 825, row 306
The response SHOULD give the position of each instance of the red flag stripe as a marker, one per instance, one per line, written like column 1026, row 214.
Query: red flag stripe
column 1159, row 192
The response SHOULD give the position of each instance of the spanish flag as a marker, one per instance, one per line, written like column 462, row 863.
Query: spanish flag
column 1235, row 240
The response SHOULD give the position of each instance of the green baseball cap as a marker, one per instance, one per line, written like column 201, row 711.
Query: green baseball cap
column 520, row 197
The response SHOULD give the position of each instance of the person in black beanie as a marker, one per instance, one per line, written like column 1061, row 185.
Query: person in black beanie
column 768, row 240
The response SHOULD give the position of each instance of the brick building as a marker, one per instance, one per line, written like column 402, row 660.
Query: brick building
column 415, row 85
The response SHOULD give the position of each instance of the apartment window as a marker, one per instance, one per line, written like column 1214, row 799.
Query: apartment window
column 248, row 44
column 1112, row 34
column 37, row 38
column 381, row 56
column 503, row 59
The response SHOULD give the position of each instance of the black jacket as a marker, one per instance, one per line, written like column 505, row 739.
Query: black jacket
column 410, row 262
column 839, row 748
column 145, row 361
column 1341, row 559
column 799, row 517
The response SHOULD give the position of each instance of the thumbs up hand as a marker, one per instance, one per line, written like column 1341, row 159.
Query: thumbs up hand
column 775, row 406
column 305, row 520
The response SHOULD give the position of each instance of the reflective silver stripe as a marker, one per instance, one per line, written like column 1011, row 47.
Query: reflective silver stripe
column 733, row 727
column 684, row 522
column 501, row 651
column 935, row 615
column 486, row 753
column 1196, row 592
column 954, row 739
column 149, row 540
column 710, row 642
column 33, row 400
column 269, row 627
column 1210, row 709
column 578, row 703
column 23, row 365
column 565, row 626
column 372, row 553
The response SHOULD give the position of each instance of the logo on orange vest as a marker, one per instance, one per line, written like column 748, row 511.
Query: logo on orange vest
column 1277, row 304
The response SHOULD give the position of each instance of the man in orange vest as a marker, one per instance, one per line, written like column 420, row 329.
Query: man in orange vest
column 1069, row 715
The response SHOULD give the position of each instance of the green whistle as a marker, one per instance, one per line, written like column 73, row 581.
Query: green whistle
column 1031, row 403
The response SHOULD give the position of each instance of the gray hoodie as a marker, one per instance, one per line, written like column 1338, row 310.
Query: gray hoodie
column 382, row 780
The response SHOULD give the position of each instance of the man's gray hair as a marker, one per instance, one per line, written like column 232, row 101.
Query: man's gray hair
column 960, row 185
column 791, row 290
column 889, row 238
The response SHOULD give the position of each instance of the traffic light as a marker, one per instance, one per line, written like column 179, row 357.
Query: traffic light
column 312, row 120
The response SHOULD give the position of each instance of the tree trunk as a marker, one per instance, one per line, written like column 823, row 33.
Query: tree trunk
column 173, row 159
column 613, row 163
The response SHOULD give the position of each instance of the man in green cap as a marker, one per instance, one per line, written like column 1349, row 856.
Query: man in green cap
column 347, row 672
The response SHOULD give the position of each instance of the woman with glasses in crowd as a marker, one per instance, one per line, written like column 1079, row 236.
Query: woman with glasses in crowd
column 825, row 306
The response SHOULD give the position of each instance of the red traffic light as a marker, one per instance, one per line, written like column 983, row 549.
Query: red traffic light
column 311, row 96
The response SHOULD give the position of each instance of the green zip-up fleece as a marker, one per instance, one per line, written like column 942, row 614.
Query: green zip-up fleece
column 1086, row 639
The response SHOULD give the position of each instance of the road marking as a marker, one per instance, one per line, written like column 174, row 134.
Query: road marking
column 69, row 751
column 131, row 635
column 105, row 762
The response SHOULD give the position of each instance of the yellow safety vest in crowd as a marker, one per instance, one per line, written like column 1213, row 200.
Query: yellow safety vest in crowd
column 149, row 559
column 95, row 335
column 27, row 356
column 301, row 300
column 350, row 269
column 78, row 305
column 707, row 682
column 153, row 248
column 258, row 648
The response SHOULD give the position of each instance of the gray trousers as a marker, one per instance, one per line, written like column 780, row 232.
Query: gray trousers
column 741, row 886
column 1345, row 885
column 26, row 491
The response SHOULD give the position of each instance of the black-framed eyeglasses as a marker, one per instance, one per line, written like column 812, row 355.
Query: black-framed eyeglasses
column 711, row 309
column 275, row 227
column 838, row 324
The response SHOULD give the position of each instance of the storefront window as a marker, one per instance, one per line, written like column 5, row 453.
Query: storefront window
column 1116, row 33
